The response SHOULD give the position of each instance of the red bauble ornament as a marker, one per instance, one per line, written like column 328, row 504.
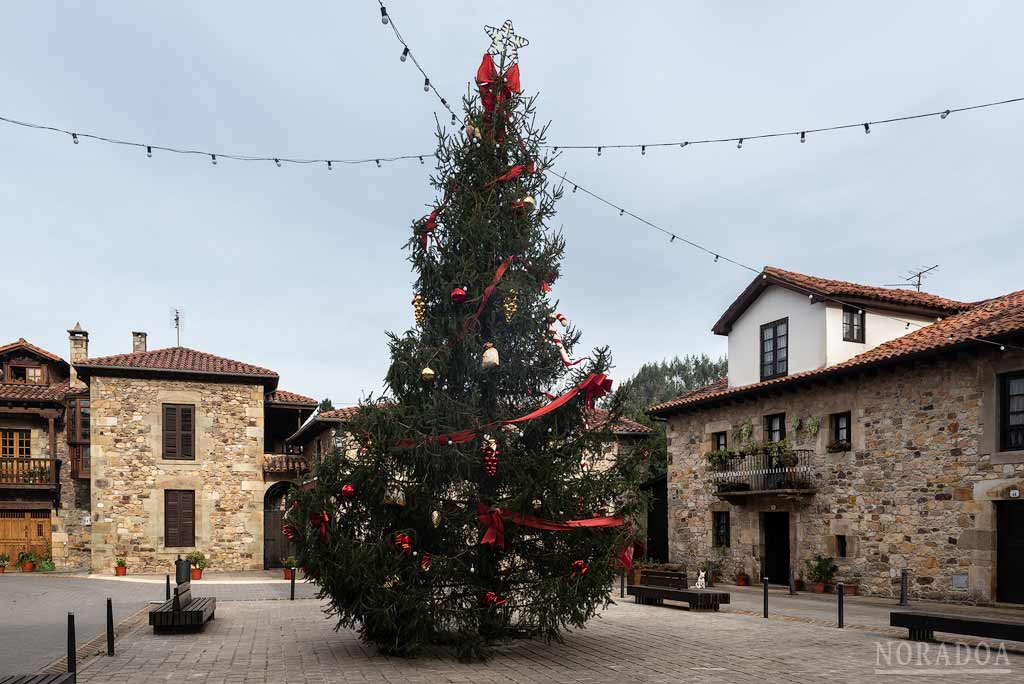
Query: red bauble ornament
column 348, row 491
column 459, row 295
column 491, row 461
column 403, row 543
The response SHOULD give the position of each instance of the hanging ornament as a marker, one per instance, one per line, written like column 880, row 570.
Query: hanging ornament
column 491, row 600
column 579, row 568
column 419, row 305
column 472, row 131
column 403, row 543
column 556, row 339
column 427, row 374
column 425, row 562
column 510, row 304
column 490, row 356
column 391, row 581
column 459, row 295
column 394, row 496
column 435, row 518
column 525, row 204
column 537, row 503
column 490, row 450
column 289, row 531
column 348, row 491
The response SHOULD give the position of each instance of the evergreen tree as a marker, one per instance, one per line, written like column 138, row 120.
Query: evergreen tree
column 325, row 405
column 403, row 531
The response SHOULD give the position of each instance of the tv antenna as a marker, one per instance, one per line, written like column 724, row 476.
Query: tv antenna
column 177, row 322
column 914, row 278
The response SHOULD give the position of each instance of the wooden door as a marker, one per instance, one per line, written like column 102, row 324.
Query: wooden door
column 1010, row 551
column 776, row 547
column 275, row 545
column 24, row 531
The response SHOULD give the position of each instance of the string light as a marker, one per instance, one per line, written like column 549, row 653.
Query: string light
column 803, row 136
column 739, row 145
column 867, row 128
column 944, row 114
column 330, row 166
column 278, row 162
column 149, row 151
column 74, row 138
column 405, row 53
column 384, row 15
column 378, row 163
column 421, row 160
column 643, row 149
column 426, row 85
column 598, row 151
column 213, row 159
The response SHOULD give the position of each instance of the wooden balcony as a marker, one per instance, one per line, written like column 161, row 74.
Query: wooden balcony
column 764, row 473
column 31, row 472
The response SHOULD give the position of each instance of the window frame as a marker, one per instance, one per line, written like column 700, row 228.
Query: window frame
column 775, row 364
column 16, row 443
column 1005, row 412
column 768, row 427
column 177, row 453
column 723, row 436
column 720, row 540
column 172, row 541
column 857, row 315
column 836, row 439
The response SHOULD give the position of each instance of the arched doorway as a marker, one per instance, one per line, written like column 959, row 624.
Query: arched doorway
column 275, row 545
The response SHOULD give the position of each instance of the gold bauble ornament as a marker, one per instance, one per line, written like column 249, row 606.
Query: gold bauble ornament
column 435, row 518
column 529, row 204
column 472, row 132
column 419, row 306
column 427, row 374
column 510, row 304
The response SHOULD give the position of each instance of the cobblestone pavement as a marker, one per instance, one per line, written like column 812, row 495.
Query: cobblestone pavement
column 34, row 608
column 282, row 641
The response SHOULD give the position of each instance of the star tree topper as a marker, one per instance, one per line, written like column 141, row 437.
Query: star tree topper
column 505, row 42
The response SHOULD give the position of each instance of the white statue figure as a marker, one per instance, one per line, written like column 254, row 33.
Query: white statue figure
column 701, row 582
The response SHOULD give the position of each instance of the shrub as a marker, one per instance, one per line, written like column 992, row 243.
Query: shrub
column 821, row 568
column 197, row 559
column 290, row 562
column 4, row 560
column 121, row 562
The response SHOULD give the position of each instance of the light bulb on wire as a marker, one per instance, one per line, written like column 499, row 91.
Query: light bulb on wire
column 384, row 15
column 944, row 114
column 213, row 159
column 426, row 85
column 149, row 151
column 405, row 54
column 74, row 138
column 867, row 128
column 739, row 144
column 278, row 162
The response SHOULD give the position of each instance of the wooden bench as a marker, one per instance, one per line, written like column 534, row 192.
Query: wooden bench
column 923, row 626
column 60, row 678
column 658, row 585
column 182, row 611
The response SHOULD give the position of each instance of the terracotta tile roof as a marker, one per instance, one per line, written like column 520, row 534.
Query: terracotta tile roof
column 11, row 392
column 322, row 421
column 990, row 319
column 911, row 300
column 175, row 360
column 22, row 344
column 347, row 413
column 624, row 426
column 284, row 463
column 286, row 397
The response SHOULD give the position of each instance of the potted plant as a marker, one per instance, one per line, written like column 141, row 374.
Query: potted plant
column 742, row 579
column 289, row 563
column 799, row 582
column 837, row 447
column 27, row 560
column 4, row 560
column 198, row 562
column 47, row 565
column 821, row 570
column 120, row 567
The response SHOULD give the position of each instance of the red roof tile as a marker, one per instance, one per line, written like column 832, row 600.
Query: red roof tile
column 21, row 343
column 624, row 426
column 284, row 463
column 175, row 360
column 919, row 302
column 347, row 413
column 11, row 392
column 285, row 397
column 990, row 319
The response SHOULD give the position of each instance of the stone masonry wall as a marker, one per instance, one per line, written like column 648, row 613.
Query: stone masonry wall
column 917, row 490
column 129, row 474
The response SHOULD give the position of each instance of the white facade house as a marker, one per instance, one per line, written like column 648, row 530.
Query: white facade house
column 787, row 323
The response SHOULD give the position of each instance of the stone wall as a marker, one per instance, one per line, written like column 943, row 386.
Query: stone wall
column 129, row 474
column 917, row 490
column 70, row 524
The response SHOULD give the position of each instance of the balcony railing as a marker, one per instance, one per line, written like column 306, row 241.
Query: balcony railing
column 764, row 472
column 27, row 472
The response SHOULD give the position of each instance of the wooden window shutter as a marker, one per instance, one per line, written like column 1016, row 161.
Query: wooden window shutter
column 172, row 515
column 187, row 524
column 179, row 517
column 186, row 432
column 171, row 431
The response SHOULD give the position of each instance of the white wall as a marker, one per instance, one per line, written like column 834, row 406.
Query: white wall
column 806, row 334
column 879, row 327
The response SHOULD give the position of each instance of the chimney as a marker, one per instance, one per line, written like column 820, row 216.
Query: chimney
column 78, row 340
column 138, row 341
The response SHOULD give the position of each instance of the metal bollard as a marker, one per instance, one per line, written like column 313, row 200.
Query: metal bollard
column 765, row 598
column 686, row 580
column 792, row 582
column 904, row 586
column 840, row 594
column 72, row 644
column 110, row 628
column 167, row 593
column 622, row 585
column 293, row 585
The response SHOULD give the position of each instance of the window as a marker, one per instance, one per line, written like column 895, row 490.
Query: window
column 25, row 373
column 1012, row 413
column 841, row 428
column 853, row 324
column 179, row 432
column 179, row 517
column 16, row 443
column 78, row 420
column 719, row 441
column 841, row 545
column 775, row 349
column 775, row 427
column 721, row 529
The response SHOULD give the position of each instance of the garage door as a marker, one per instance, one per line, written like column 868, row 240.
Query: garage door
column 24, row 531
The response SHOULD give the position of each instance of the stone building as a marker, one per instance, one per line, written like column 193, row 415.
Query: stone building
column 883, row 428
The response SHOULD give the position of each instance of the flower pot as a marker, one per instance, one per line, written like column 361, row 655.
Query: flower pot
column 742, row 581
column 197, row 573
column 120, row 571
column 28, row 566
column 850, row 589
column 288, row 573
column 818, row 587
column 800, row 586
column 2, row 568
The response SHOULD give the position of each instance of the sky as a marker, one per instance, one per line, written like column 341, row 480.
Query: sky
column 302, row 270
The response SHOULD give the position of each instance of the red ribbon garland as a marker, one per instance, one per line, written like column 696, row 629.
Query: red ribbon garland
column 491, row 599
column 486, row 78
column 319, row 522
column 492, row 520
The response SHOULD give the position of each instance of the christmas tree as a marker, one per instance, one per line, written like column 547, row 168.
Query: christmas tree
column 464, row 511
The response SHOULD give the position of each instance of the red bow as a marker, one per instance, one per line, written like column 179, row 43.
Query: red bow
column 320, row 520
column 486, row 78
column 511, row 174
column 594, row 387
column 491, row 599
column 404, row 543
column 625, row 557
column 494, row 526
column 289, row 531
column 579, row 568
